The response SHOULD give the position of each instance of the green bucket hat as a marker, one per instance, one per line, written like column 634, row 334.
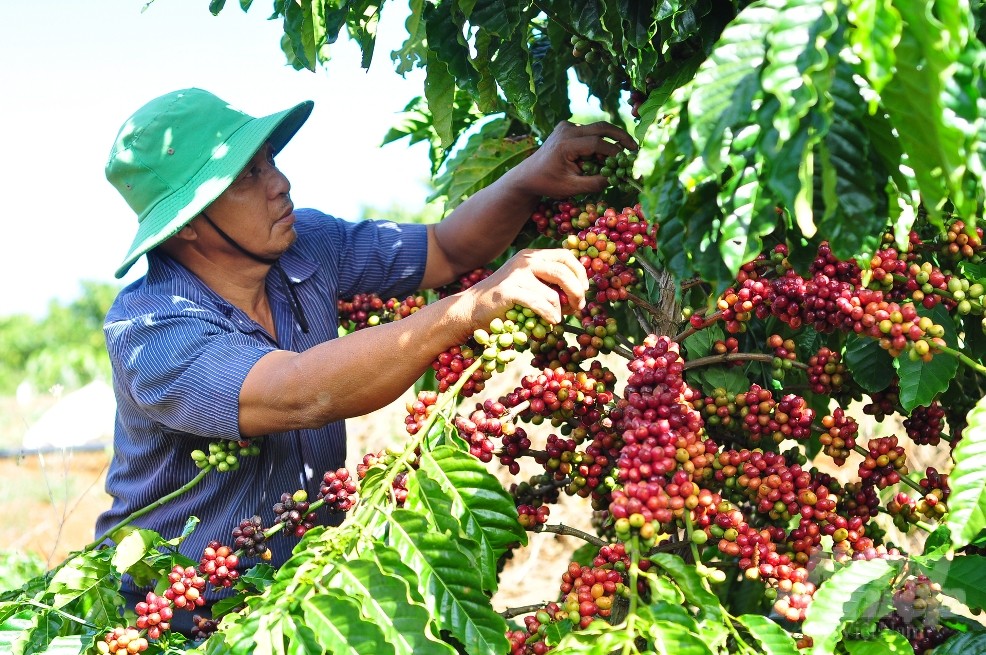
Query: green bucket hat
column 179, row 152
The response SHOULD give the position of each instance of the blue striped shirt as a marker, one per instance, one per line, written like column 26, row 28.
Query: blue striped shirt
column 180, row 354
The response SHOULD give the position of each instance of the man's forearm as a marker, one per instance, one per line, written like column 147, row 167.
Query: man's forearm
column 481, row 228
column 350, row 376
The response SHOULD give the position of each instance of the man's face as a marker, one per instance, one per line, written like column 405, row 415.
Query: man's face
column 256, row 210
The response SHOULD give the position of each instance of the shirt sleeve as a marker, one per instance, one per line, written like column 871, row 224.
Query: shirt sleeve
column 368, row 256
column 184, row 368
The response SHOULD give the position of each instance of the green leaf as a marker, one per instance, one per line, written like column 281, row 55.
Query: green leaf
column 963, row 644
column 938, row 543
column 921, row 382
column 132, row 548
column 963, row 578
column 335, row 619
column 847, row 596
column 871, row 366
column 486, row 156
column 485, row 510
column 450, row 582
column 499, row 17
column 83, row 574
column 730, row 378
column 38, row 634
column 771, row 638
column 599, row 638
column 876, row 28
column 444, row 31
column 928, row 109
column 967, row 502
column 414, row 50
column 851, row 223
column 511, row 67
column 668, row 637
column 692, row 585
column 299, row 637
column 723, row 89
column 886, row 642
column 383, row 599
column 426, row 497
column 745, row 217
column 699, row 344
column 795, row 55
column 439, row 92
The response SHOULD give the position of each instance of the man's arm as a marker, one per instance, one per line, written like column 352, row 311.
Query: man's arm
column 482, row 227
column 368, row 369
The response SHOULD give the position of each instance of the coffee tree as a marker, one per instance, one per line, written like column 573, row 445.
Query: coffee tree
column 793, row 248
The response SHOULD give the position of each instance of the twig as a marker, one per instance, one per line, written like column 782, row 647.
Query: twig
column 712, row 360
column 157, row 503
column 650, row 268
column 640, row 302
column 962, row 357
column 569, row 531
column 511, row 612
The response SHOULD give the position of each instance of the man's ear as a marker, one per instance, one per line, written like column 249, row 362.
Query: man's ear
column 189, row 232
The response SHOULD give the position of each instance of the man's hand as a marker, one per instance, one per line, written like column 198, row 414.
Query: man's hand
column 554, row 170
column 531, row 278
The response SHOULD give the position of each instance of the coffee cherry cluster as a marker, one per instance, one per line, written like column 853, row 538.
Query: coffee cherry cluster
column 884, row 463
column 532, row 639
column 202, row 627
column 365, row 310
column 219, row 565
column 924, row 425
column 530, row 517
column 562, row 396
column 617, row 169
column 839, row 437
column 419, row 411
column 361, row 311
column 293, row 512
column 827, row 375
column 337, row 490
column 224, row 455
column 186, row 588
column 564, row 217
column 122, row 641
column 757, row 414
column 917, row 614
column 470, row 279
column 386, row 458
column 249, row 537
column 884, row 403
column 154, row 615
column 515, row 444
column 481, row 427
column 663, row 449
column 450, row 365
column 829, row 303
column 589, row 592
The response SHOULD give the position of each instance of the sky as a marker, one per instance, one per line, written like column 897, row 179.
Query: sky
column 72, row 73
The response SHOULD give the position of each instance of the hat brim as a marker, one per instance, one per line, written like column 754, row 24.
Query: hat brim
column 173, row 213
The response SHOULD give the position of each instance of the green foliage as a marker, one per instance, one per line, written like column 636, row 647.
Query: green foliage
column 968, row 480
column 64, row 347
column 16, row 568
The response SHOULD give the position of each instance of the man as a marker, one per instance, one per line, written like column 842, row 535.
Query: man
column 231, row 334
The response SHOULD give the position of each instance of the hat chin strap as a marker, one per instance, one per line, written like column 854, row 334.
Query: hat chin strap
column 296, row 308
